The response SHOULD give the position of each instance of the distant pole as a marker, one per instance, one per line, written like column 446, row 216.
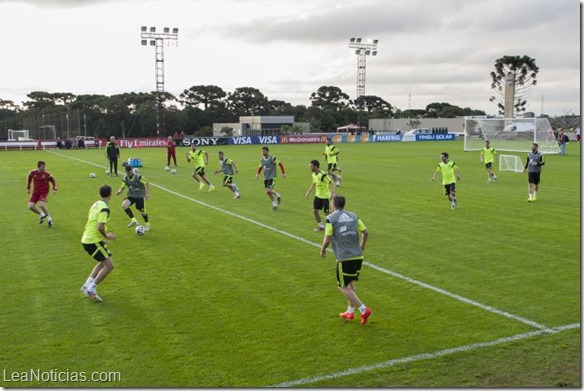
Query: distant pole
column 363, row 49
column 149, row 34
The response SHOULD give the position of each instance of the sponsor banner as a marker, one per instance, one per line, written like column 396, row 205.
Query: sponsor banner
column 249, row 140
column 188, row 141
column 358, row 138
column 141, row 142
column 435, row 137
column 385, row 138
column 316, row 139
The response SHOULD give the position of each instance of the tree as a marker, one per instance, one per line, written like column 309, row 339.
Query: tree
column 522, row 70
column 208, row 96
column 329, row 98
column 374, row 105
column 247, row 101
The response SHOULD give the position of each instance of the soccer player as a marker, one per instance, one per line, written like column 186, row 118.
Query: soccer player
column 450, row 173
column 94, row 241
column 533, row 167
column 488, row 154
column 200, row 163
column 229, row 168
column 40, row 178
column 342, row 229
column 138, row 191
column 324, row 190
column 331, row 153
column 112, row 153
column 268, row 164
column 170, row 152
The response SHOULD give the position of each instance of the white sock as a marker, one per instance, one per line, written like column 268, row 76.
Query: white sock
column 43, row 214
column 274, row 203
column 535, row 193
column 362, row 308
column 350, row 309
column 88, row 282
column 92, row 287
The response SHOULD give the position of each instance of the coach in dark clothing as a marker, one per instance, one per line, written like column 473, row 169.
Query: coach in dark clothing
column 112, row 153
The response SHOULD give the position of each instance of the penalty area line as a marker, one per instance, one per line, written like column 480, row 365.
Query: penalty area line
column 425, row 356
column 368, row 264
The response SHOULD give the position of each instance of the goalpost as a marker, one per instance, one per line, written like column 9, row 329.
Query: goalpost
column 18, row 135
column 510, row 163
column 509, row 134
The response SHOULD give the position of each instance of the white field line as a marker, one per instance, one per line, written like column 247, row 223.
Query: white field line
column 373, row 266
column 425, row 356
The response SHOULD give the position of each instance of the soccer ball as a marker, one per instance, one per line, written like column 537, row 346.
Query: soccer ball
column 173, row 171
column 92, row 175
column 107, row 172
column 140, row 230
column 166, row 168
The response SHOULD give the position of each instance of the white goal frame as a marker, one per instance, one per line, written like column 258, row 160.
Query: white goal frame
column 18, row 135
column 510, row 163
column 509, row 134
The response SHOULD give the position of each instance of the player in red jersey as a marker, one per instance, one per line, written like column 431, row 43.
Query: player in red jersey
column 41, row 178
column 170, row 152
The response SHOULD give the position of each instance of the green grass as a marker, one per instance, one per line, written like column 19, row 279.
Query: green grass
column 227, row 293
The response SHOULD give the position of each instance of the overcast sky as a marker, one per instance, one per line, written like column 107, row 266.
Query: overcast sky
column 428, row 51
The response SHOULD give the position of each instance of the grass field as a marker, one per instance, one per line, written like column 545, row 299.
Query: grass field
column 227, row 293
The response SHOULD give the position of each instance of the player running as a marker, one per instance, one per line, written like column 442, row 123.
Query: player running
column 324, row 191
column 331, row 153
column 488, row 154
column 268, row 164
column 200, row 163
column 450, row 173
column 138, row 192
column 40, row 178
column 229, row 168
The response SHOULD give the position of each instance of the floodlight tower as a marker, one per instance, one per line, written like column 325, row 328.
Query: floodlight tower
column 158, row 39
column 369, row 47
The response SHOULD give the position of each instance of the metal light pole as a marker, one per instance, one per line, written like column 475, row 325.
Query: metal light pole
column 369, row 47
column 157, row 39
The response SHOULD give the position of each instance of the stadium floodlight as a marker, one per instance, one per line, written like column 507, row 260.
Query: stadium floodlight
column 366, row 48
column 158, row 40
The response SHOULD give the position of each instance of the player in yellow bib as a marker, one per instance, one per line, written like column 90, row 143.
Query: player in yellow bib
column 450, row 173
column 331, row 154
column 488, row 156
column 321, row 181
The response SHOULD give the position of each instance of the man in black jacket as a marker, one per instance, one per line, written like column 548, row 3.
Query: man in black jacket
column 112, row 153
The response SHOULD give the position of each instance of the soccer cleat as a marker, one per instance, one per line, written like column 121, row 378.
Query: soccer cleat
column 279, row 200
column 319, row 228
column 211, row 188
column 85, row 291
column 494, row 177
column 365, row 316
column 95, row 296
column 530, row 199
column 534, row 198
column 49, row 223
column 132, row 223
column 43, row 217
column 347, row 315
column 489, row 180
column 274, row 208
column 201, row 185
column 236, row 195
column 147, row 227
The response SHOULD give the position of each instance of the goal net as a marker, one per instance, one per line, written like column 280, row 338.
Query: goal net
column 18, row 135
column 509, row 134
column 510, row 163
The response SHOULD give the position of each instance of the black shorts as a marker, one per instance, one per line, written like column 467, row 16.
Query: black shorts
column 533, row 177
column 98, row 251
column 331, row 167
column 199, row 171
column 321, row 204
column 269, row 183
column 348, row 271
column 139, row 202
column 227, row 179
column 449, row 188
column 489, row 165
